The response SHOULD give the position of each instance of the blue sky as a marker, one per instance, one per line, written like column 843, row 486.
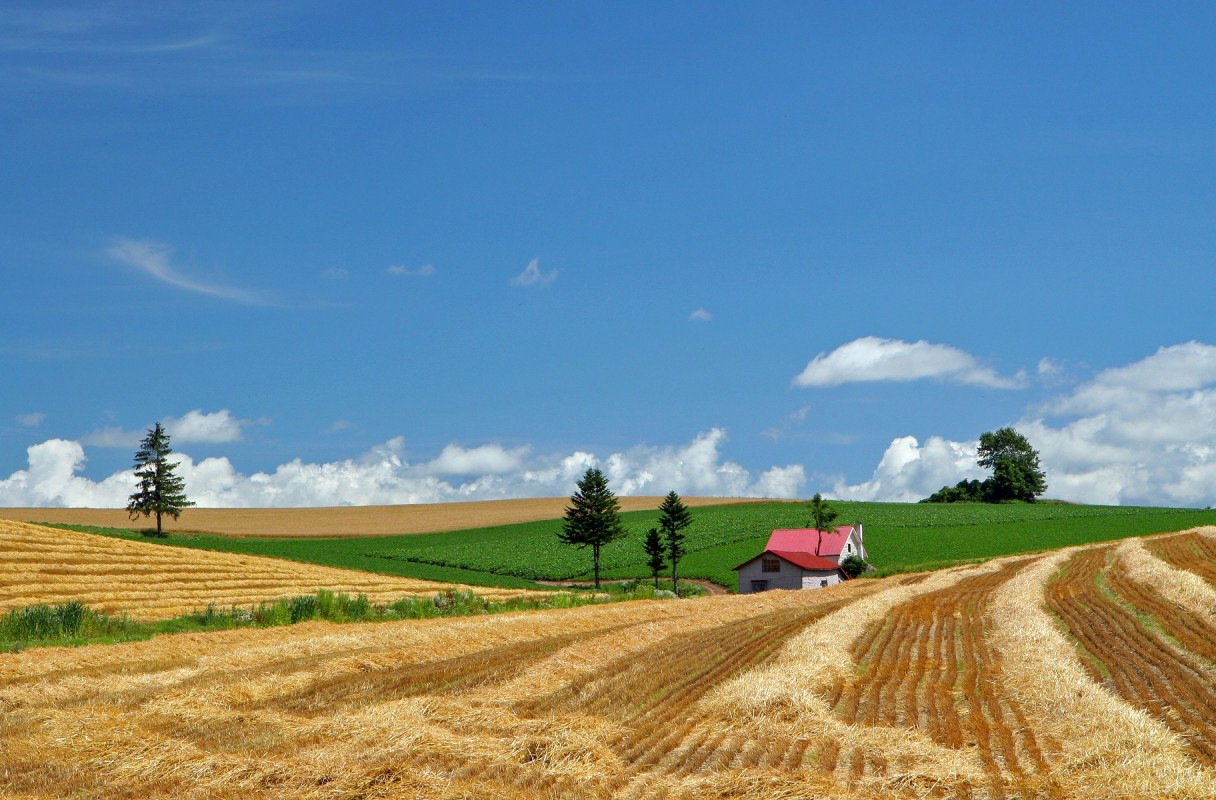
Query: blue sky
column 356, row 253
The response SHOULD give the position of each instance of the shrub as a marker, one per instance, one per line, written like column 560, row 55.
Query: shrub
column 854, row 566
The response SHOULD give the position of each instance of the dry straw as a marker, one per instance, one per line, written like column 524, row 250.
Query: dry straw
column 1107, row 748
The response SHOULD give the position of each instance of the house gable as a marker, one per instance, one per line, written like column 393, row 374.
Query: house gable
column 836, row 544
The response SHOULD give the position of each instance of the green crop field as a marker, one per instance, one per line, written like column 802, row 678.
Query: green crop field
column 899, row 537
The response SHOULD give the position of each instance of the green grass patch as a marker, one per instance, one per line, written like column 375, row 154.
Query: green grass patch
column 72, row 623
column 900, row 537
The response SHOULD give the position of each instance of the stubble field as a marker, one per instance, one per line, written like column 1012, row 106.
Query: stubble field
column 347, row 521
column 1080, row 673
column 151, row 582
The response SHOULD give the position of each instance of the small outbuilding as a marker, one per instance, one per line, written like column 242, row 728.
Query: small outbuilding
column 802, row 558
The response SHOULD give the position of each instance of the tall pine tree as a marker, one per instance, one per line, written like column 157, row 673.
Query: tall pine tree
column 674, row 517
column 160, row 491
column 593, row 517
column 656, row 553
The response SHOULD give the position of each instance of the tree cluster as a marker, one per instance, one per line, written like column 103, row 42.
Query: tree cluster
column 593, row 520
column 1016, row 475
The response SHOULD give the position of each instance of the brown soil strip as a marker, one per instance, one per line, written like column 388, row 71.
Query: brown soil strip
column 1142, row 668
column 927, row 665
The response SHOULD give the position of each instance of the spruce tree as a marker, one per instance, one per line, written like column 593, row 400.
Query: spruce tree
column 160, row 491
column 674, row 517
column 656, row 553
column 593, row 517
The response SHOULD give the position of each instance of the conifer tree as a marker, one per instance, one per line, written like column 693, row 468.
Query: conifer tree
column 160, row 491
column 674, row 517
column 593, row 517
column 656, row 553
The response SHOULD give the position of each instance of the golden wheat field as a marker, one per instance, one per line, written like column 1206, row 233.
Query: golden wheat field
column 152, row 581
column 347, row 520
column 1081, row 673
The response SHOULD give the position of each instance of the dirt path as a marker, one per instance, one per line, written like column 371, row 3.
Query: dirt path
column 664, row 583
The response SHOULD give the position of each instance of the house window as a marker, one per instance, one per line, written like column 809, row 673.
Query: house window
column 771, row 565
column 759, row 586
column 823, row 583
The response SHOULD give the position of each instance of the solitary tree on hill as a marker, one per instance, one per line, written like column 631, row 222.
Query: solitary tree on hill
column 593, row 517
column 1015, row 466
column 656, row 553
column 822, row 517
column 674, row 517
column 1016, row 474
column 159, row 491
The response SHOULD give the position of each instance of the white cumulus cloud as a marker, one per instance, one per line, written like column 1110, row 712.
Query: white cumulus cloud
column 197, row 426
column 214, row 428
column 1140, row 434
column 532, row 276
column 384, row 475
column 871, row 358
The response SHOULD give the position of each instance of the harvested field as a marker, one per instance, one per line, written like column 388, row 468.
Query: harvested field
column 151, row 581
column 954, row 684
column 346, row 521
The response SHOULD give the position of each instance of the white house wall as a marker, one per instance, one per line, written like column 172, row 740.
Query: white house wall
column 814, row 578
column 788, row 577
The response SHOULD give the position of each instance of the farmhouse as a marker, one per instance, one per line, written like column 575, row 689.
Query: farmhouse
column 802, row 558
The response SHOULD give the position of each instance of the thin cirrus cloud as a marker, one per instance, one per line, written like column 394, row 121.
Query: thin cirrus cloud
column 31, row 420
column 154, row 259
column 425, row 271
column 701, row 315
column 871, row 358
column 532, row 276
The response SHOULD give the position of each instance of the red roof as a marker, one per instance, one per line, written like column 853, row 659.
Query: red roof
column 805, row 540
column 804, row 560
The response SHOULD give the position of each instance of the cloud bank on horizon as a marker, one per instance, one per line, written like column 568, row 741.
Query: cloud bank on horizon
column 384, row 476
column 1139, row 434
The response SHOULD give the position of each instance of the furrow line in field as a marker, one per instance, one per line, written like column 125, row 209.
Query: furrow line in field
column 1143, row 669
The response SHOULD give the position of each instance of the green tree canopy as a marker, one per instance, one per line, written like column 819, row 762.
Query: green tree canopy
column 160, row 491
column 1016, row 474
column 674, row 517
column 1015, row 466
column 656, row 553
column 822, row 517
column 593, row 517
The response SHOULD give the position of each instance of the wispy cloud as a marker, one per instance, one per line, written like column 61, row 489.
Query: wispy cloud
column 339, row 426
column 425, row 271
column 154, row 259
column 701, row 315
column 32, row 420
column 532, row 276
column 871, row 358
column 335, row 274
column 782, row 429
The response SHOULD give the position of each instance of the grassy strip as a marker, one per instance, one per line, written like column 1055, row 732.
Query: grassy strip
column 901, row 537
column 73, row 623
